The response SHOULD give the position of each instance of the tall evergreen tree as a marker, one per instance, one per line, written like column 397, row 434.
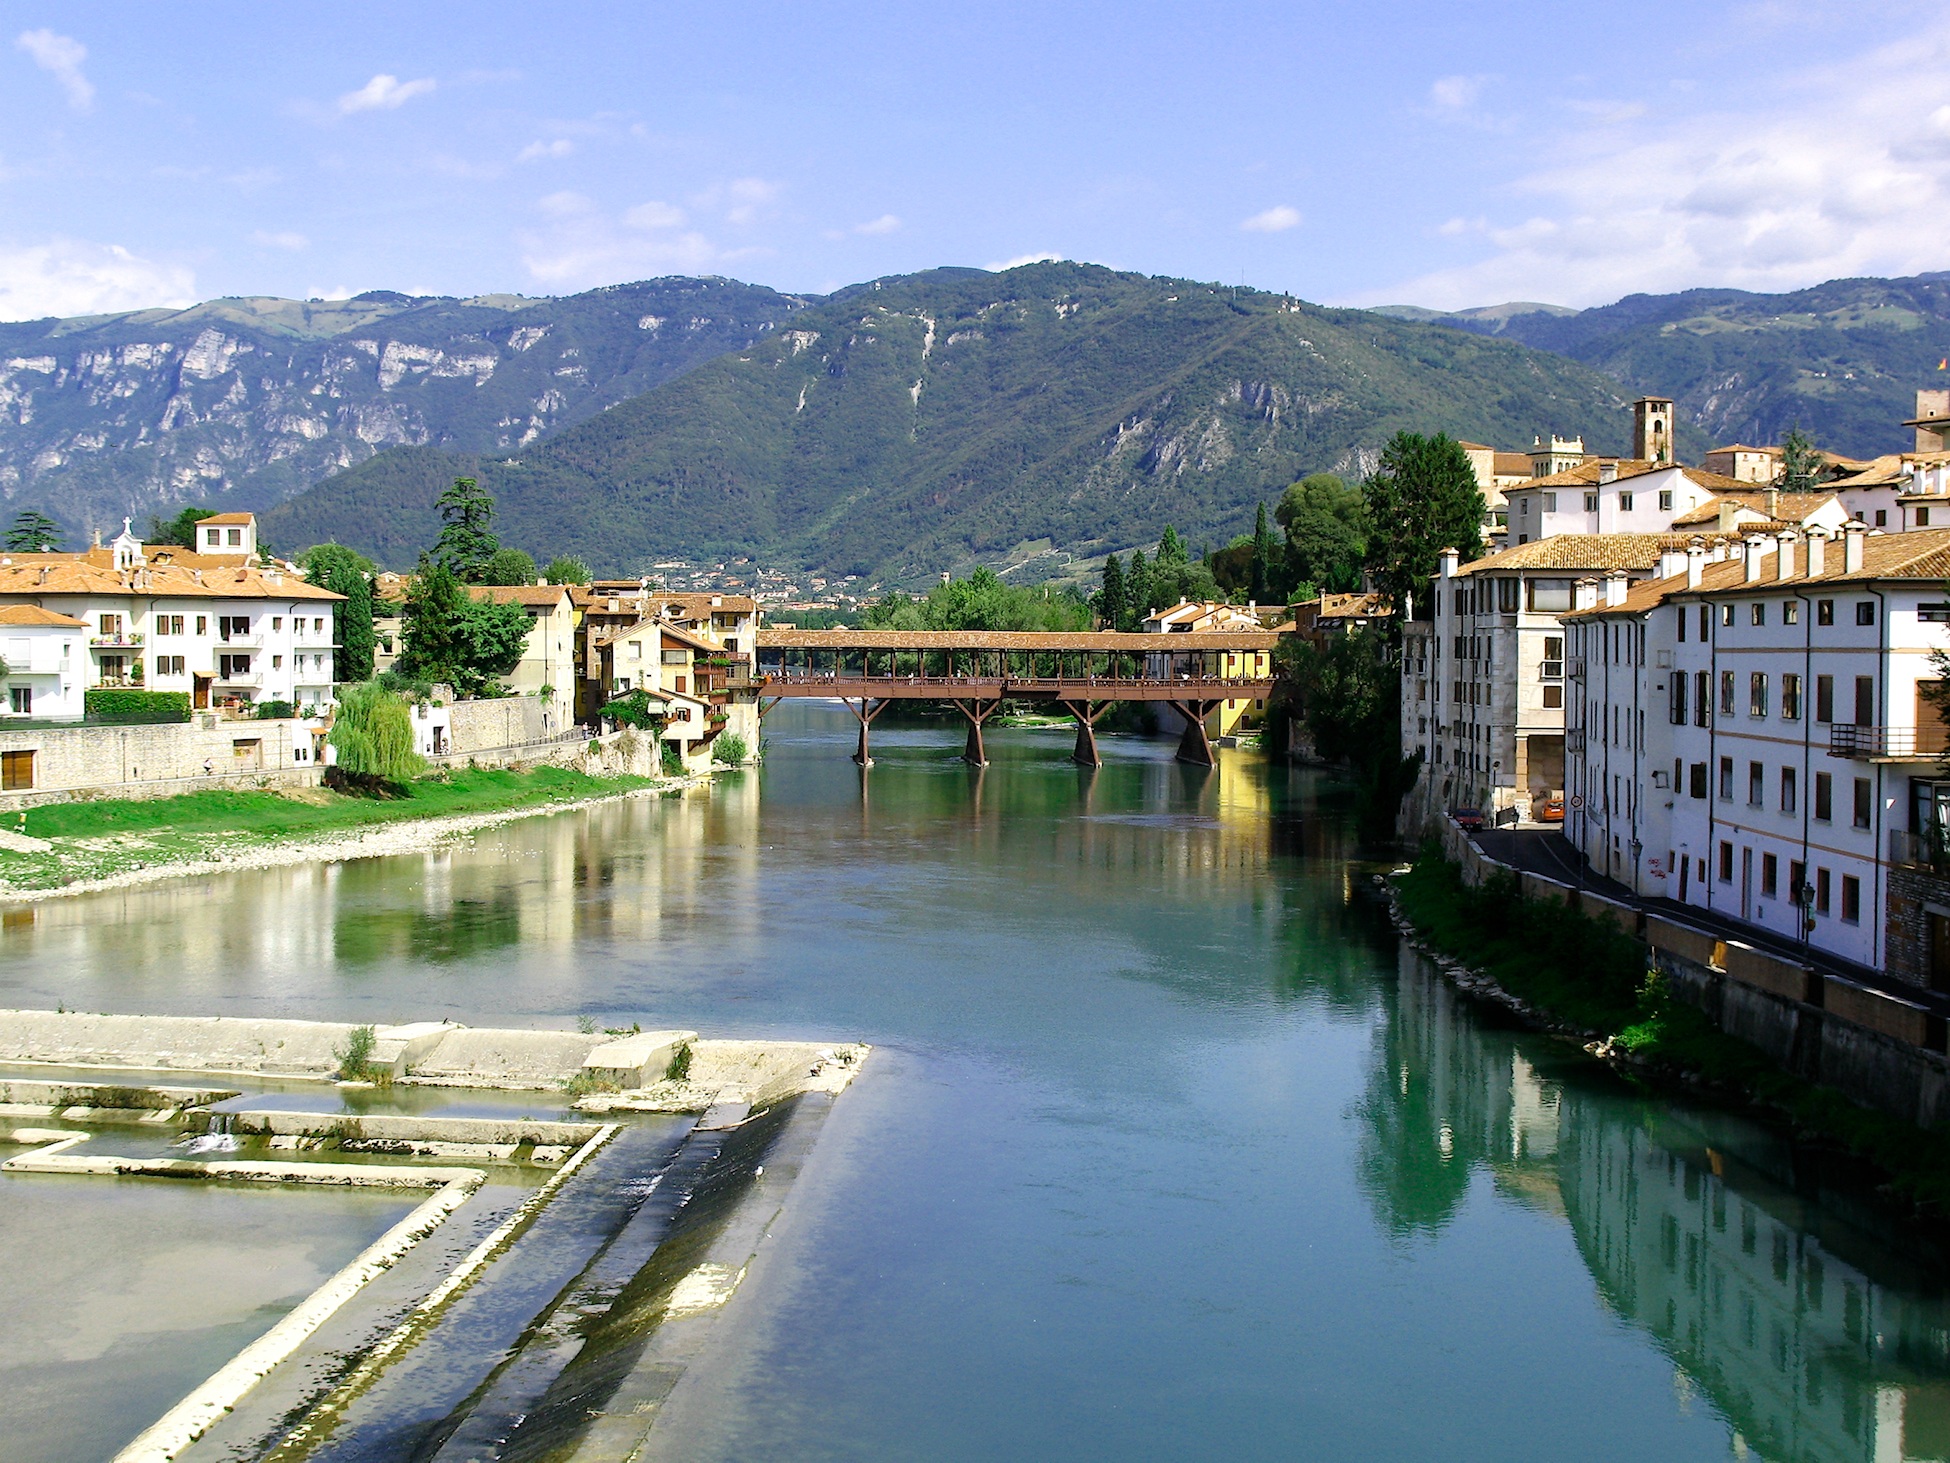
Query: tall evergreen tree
column 1801, row 465
column 1327, row 533
column 1262, row 580
column 1137, row 593
column 32, row 531
column 1110, row 599
column 1171, row 548
column 467, row 542
column 1422, row 499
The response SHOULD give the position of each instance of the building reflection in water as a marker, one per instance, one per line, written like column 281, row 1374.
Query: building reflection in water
column 1790, row 1322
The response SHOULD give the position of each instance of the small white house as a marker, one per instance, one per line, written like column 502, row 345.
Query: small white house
column 46, row 655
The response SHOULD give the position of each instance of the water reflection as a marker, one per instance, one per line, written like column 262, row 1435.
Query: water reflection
column 1813, row 1339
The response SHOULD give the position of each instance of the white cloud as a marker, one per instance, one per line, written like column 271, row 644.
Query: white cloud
column 747, row 196
column 887, row 223
column 73, row 277
column 384, row 93
column 1022, row 259
column 1272, row 221
column 579, row 245
column 1842, row 169
column 283, row 239
column 1455, row 93
column 61, row 57
column 560, row 147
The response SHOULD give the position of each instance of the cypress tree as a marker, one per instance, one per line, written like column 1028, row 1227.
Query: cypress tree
column 1262, row 581
column 1110, row 599
column 1137, row 593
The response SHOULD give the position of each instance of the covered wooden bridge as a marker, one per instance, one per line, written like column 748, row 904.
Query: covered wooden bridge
column 975, row 671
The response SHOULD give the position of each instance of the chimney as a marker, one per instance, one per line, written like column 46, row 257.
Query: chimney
column 1671, row 562
column 1853, row 532
column 1584, row 594
column 1773, row 498
column 1784, row 554
column 1695, row 563
column 1729, row 510
column 1450, row 559
column 1607, row 472
column 1817, row 541
column 1615, row 585
column 1753, row 545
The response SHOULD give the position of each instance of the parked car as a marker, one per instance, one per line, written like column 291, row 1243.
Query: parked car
column 1468, row 819
column 1551, row 810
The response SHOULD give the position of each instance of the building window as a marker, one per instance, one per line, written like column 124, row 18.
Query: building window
column 1851, row 900
column 1864, row 802
column 1550, row 502
column 1591, row 502
column 1553, row 698
column 1702, row 703
column 1696, row 780
column 1665, row 501
column 1922, row 517
column 1726, row 693
column 1702, row 625
column 21, row 698
column 1882, row 518
column 1821, row 891
column 1726, row 779
column 1934, row 614
column 1770, row 871
column 111, row 627
column 1757, row 694
column 1676, row 710
column 1679, row 618
column 1797, row 876
column 1824, row 612
column 1624, row 502
column 1788, row 790
column 169, row 665
column 1756, row 784
column 235, row 538
column 16, row 770
column 1865, row 700
column 1824, row 699
column 277, row 662
column 1824, row 797
column 1726, row 863
column 277, row 622
column 1865, row 612
column 1726, row 614
column 1791, row 612
column 1790, row 696
column 203, row 624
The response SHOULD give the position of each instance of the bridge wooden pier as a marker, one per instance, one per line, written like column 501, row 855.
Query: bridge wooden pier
column 976, row 671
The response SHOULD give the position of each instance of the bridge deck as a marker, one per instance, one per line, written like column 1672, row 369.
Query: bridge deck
column 1017, row 688
column 1041, row 642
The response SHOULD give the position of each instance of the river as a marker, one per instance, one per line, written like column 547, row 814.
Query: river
column 1167, row 1150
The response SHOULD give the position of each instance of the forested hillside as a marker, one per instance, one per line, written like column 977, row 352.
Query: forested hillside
column 244, row 402
column 923, row 422
column 1841, row 360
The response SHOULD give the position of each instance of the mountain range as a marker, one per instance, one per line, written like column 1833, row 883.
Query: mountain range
column 896, row 428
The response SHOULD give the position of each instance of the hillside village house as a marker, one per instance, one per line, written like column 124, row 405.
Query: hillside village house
column 1211, row 617
column 1483, row 674
column 231, row 632
column 1752, row 737
column 44, row 652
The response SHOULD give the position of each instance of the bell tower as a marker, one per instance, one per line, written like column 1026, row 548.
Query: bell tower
column 1652, row 430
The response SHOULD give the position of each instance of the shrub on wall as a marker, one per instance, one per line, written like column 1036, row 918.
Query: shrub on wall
column 115, row 704
column 274, row 710
column 730, row 749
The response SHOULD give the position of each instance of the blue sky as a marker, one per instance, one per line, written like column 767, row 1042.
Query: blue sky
column 1446, row 154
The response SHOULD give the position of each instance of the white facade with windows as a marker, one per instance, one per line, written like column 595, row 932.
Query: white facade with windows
column 1755, row 737
column 45, row 654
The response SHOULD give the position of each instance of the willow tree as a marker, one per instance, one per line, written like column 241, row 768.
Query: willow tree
column 372, row 734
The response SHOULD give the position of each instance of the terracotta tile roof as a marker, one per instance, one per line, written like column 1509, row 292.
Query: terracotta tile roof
column 610, row 634
column 535, row 596
column 1354, row 606
column 1511, row 464
column 1586, row 474
column 1793, row 508
column 1919, row 554
column 166, row 581
column 35, row 615
column 1588, row 551
column 226, row 520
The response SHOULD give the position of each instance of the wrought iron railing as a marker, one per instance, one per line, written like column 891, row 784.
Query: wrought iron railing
column 1887, row 741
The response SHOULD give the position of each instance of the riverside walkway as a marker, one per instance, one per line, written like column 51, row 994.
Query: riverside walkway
column 975, row 671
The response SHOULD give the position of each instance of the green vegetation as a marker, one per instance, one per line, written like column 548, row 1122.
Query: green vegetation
column 980, row 602
column 680, row 1063
column 673, row 759
column 509, row 566
column 373, row 735
column 1592, row 976
column 98, row 839
column 467, row 545
column 347, row 572
column 115, row 704
column 636, row 709
column 730, row 749
column 566, row 569
column 450, row 636
column 1075, row 403
column 1349, row 696
column 811, row 620
column 32, row 531
column 1802, row 468
column 1424, row 499
column 180, row 530
column 355, row 1059
column 1327, row 534
column 274, row 710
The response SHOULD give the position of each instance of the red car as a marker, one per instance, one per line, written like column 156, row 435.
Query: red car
column 1551, row 810
column 1470, row 820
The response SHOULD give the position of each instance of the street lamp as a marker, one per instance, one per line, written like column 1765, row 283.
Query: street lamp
column 1804, row 900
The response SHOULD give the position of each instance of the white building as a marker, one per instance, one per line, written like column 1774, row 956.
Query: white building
column 230, row 633
column 1748, row 732
column 1483, row 674
column 45, row 653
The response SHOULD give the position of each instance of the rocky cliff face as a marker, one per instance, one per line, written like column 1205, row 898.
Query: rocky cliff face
column 243, row 402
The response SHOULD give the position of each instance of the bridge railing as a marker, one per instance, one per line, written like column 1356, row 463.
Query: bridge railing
column 800, row 675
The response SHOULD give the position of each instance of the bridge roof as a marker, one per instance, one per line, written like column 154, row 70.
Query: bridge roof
column 771, row 638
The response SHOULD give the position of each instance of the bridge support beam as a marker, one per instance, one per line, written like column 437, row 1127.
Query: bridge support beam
column 1195, row 746
column 1086, row 714
column 977, row 712
column 864, row 713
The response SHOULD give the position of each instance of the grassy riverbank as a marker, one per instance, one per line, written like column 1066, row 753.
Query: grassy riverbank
column 104, row 838
column 1590, row 976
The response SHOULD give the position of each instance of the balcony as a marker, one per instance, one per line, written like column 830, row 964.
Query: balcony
column 241, row 642
column 120, row 641
column 1929, row 849
column 1551, row 670
column 1888, row 743
column 240, row 681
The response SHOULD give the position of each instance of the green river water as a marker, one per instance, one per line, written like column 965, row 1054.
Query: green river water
column 1167, row 1149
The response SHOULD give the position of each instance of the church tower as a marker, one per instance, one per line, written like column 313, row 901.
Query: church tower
column 1652, row 430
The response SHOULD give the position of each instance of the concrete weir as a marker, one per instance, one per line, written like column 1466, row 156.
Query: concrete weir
column 646, row 1204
